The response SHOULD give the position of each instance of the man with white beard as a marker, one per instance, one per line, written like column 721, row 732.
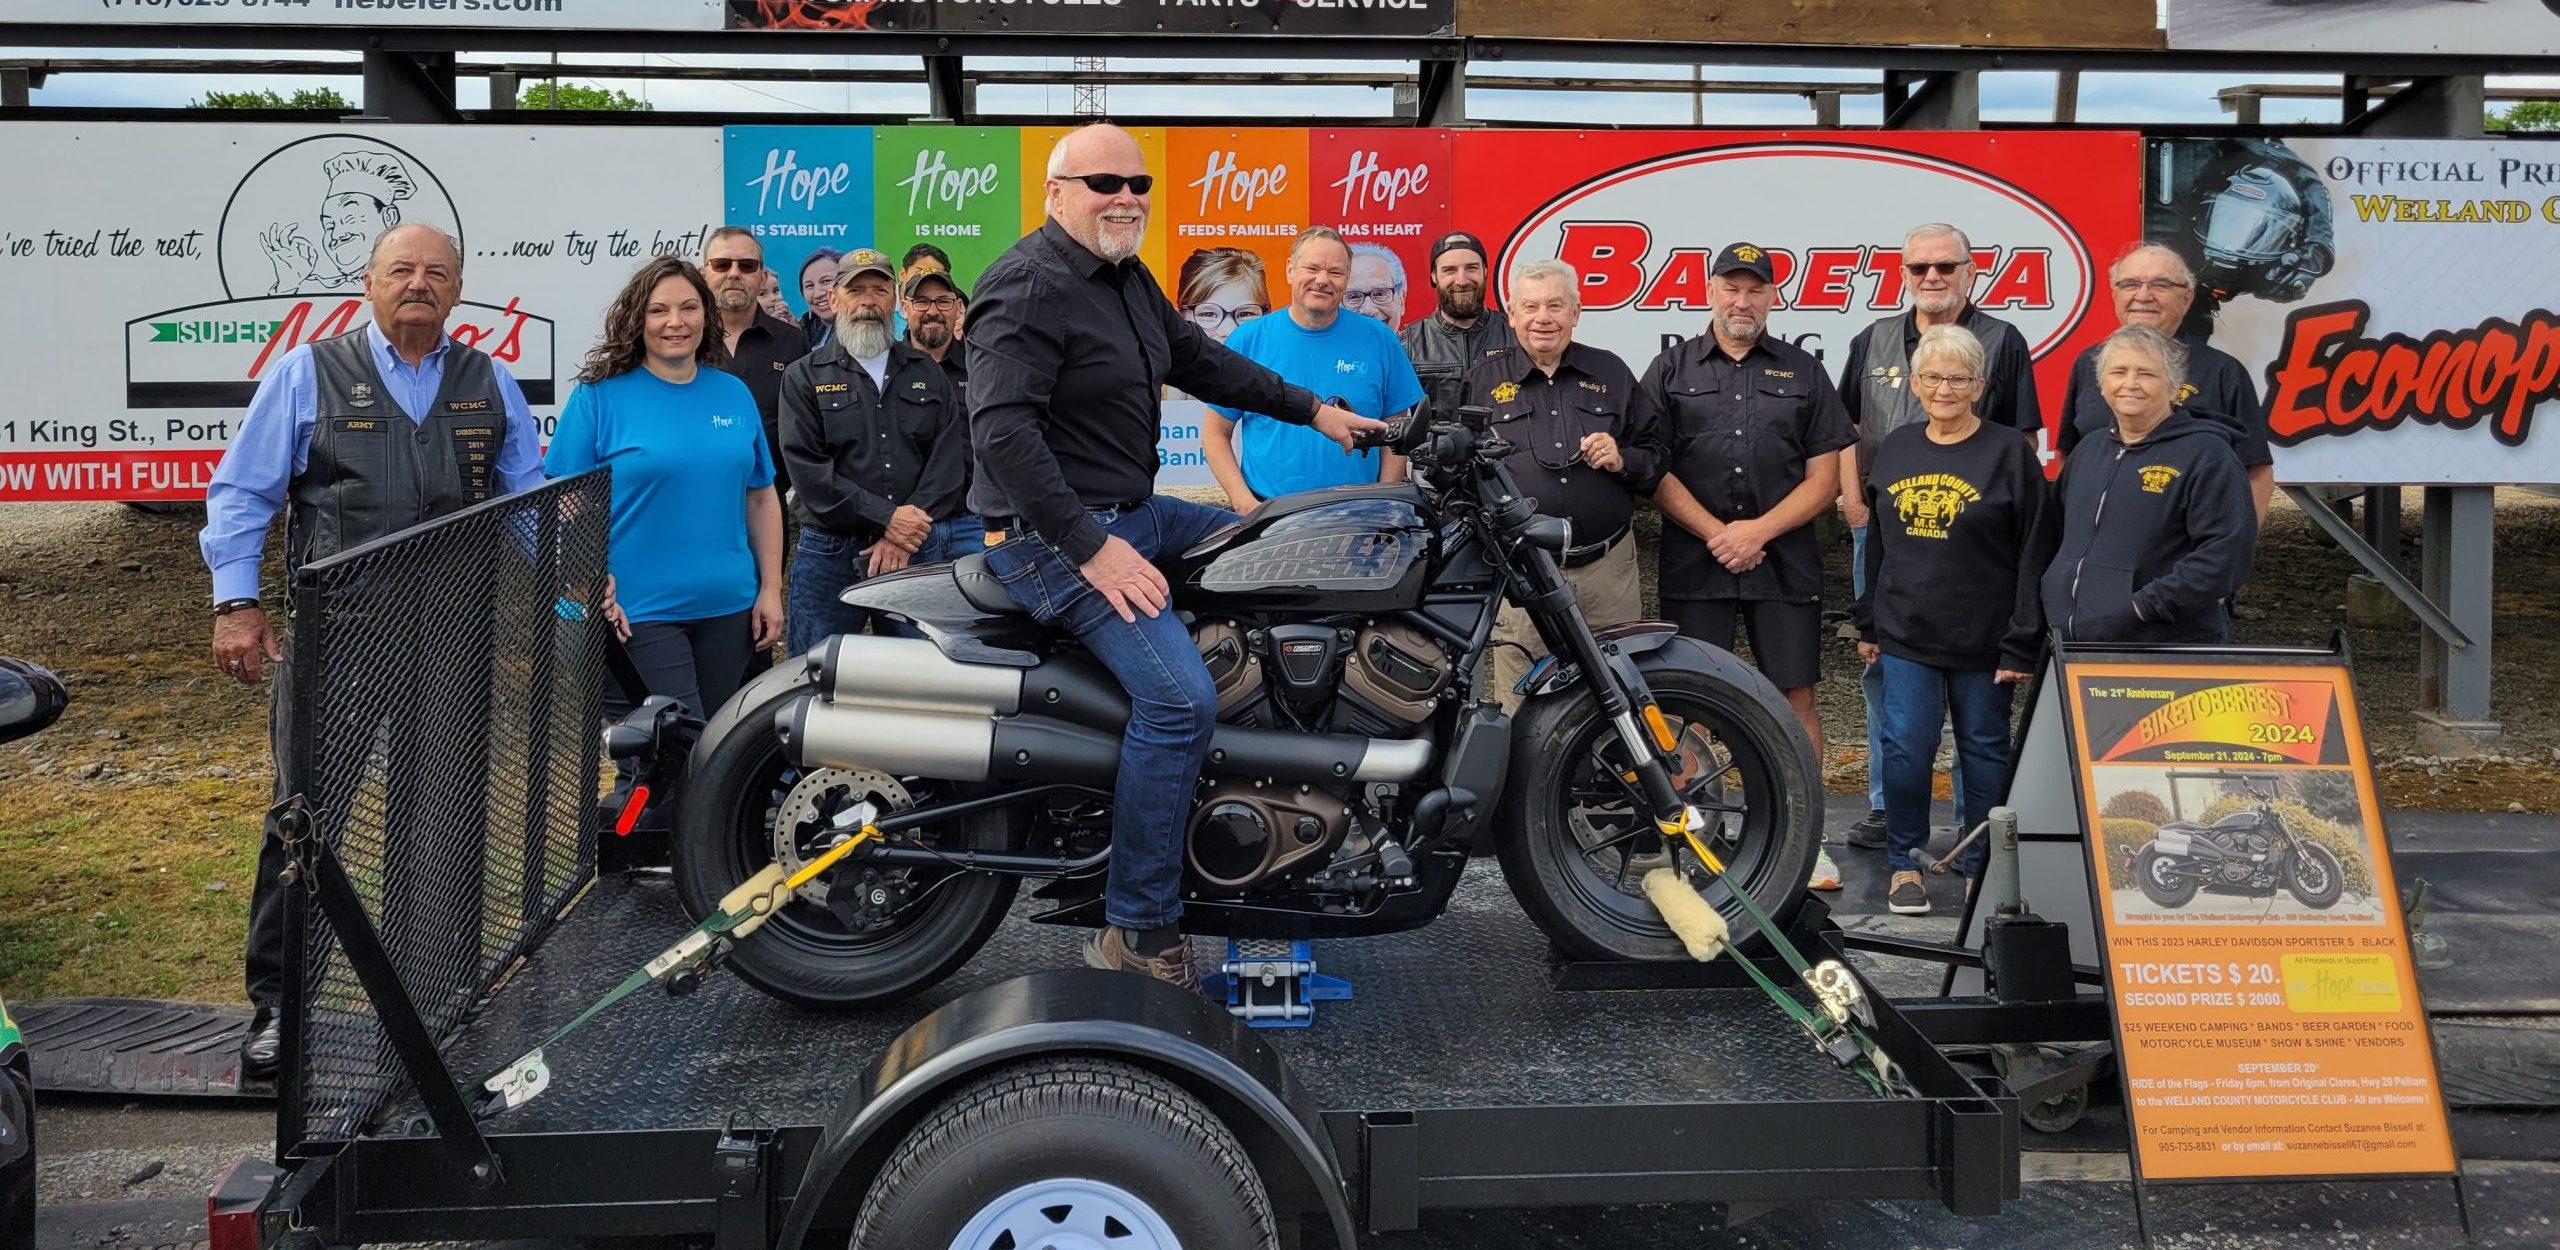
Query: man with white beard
column 1876, row 387
column 872, row 429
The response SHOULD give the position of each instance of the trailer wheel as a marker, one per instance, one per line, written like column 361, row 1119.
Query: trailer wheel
column 1071, row 1152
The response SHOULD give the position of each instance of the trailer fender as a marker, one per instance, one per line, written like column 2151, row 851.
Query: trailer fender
column 1183, row 1037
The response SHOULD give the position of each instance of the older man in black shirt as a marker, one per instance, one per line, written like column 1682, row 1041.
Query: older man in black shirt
column 1071, row 344
column 1753, row 432
column 1565, row 407
column 761, row 345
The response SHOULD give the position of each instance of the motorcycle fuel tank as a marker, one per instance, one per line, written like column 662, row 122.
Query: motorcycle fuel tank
column 1349, row 549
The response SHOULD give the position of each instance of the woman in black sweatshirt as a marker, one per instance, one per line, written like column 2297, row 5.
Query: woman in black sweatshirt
column 1950, row 616
column 2157, row 527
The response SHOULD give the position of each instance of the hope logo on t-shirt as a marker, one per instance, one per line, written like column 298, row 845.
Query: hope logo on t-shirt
column 719, row 422
column 1929, row 503
column 1359, row 367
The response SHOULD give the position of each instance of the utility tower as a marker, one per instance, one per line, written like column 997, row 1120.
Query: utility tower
column 1093, row 99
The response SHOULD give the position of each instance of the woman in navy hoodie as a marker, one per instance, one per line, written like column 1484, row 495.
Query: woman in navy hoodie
column 2157, row 528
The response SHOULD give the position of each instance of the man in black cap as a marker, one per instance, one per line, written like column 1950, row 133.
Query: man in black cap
column 934, row 303
column 1753, row 431
column 1460, row 332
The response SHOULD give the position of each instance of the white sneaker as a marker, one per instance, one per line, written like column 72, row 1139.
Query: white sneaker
column 1826, row 875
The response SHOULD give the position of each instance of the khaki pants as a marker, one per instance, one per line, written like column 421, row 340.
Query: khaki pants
column 1609, row 593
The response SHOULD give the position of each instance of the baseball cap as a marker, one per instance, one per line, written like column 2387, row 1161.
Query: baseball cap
column 1742, row 258
column 923, row 276
column 1455, row 240
column 863, row 260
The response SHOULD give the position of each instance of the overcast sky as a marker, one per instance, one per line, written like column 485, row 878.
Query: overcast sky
column 2145, row 99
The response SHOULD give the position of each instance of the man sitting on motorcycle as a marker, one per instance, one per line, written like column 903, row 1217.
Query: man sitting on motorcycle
column 1071, row 341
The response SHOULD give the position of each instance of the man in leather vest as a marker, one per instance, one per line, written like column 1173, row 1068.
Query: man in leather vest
column 1461, row 332
column 355, row 438
column 1875, row 386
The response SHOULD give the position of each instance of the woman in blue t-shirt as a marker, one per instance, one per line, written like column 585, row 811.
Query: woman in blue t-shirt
column 695, row 542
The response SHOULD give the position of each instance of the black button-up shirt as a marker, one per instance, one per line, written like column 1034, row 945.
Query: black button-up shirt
column 1545, row 418
column 955, row 366
column 859, row 450
column 1068, row 357
column 1737, row 433
column 765, row 348
column 2219, row 389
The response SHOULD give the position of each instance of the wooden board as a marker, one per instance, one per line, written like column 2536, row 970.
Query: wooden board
column 1968, row 23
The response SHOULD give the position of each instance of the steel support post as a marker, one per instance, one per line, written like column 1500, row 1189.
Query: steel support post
column 2455, row 571
column 14, row 85
column 409, row 87
column 1950, row 100
column 952, row 96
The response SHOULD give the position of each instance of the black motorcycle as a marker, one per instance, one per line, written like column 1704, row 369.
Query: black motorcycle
column 2251, row 853
column 1353, row 769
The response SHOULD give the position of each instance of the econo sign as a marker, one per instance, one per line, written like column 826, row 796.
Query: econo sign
column 1831, row 216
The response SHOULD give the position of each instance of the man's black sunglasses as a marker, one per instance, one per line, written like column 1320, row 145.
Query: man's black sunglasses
column 1110, row 184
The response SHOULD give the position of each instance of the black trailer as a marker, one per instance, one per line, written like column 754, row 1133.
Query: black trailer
column 452, row 920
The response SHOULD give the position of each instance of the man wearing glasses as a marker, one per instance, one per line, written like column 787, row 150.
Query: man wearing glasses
column 2153, row 287
column 1355, row 359
column 1071, row 342
column 933, row 303
column 1877, row 387
column 1377, row 284
column 761, row 345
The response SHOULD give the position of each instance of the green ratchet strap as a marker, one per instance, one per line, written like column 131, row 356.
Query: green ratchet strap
column 1837, row 1030
column 741, row 913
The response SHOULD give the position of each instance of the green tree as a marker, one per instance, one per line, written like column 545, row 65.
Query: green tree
column 2526, row 115
column 554, row 94
column 304, row 98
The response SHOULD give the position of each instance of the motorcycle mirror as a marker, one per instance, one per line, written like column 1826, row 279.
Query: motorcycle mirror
column 30, row 699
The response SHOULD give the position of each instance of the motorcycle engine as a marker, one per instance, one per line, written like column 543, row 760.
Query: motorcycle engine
column 2251, row 855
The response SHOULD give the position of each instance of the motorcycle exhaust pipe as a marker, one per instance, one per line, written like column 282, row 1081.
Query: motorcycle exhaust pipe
column 2172, row 842
column 860, row 670
column 963, row 747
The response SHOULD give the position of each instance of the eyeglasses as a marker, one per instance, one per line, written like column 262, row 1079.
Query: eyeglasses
column 1941, row 381
column 1211, row 316
column 2156, row 286
column 1371, row 296
column 939, row 303
column 740, row 264
column 1922, row 268
column 1110, row 184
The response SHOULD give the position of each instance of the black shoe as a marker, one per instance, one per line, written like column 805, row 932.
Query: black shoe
column 1867, row 832
column 1910, row 895
column 265, row 1047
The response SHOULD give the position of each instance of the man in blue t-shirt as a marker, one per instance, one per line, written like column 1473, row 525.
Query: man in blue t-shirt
column 1358, row 359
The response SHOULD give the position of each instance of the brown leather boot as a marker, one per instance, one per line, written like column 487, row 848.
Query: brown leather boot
column 1109, row 950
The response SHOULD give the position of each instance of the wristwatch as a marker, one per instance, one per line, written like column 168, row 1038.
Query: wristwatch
column 229, row 606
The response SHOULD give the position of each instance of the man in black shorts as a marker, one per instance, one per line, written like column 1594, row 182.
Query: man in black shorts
column 1753, row 429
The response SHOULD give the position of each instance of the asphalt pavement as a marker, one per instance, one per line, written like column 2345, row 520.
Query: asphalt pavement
column 127, row 1174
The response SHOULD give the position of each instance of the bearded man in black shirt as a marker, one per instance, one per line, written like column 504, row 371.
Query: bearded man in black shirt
column 1071, row 343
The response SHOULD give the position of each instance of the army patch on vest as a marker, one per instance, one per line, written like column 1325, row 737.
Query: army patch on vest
column 468, row 405
column 831, row 388
column 345, row 424
column 2156, row 477
column 361, row 396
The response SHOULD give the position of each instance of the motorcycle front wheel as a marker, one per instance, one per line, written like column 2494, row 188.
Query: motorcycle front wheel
column 2314, row 877
column 741, row 788
column 1577, row 841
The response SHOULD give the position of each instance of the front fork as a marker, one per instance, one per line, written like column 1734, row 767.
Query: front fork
column 1626, row 701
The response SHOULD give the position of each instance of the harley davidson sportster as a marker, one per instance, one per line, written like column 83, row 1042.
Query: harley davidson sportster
column 1353, row 769
column 2250, row 852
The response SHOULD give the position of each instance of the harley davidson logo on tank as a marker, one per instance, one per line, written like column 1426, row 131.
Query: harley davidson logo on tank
column 1640, row 215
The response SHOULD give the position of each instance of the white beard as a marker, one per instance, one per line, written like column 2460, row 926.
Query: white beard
column 864, row 338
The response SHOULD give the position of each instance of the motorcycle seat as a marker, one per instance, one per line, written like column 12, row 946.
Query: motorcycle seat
column 979, row 586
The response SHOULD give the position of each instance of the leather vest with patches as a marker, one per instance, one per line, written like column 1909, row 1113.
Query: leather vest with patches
column 372, row 471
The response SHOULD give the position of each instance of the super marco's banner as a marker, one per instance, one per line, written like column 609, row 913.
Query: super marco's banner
column 213, row 250
column 2392, row 298
column 144, row 298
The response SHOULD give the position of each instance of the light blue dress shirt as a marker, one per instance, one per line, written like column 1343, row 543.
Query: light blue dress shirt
column 274, row 444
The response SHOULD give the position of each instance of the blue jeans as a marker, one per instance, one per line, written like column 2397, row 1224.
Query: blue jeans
column 1173, row 708
column 1917, row 698
column 963, row 535
column 824, row 564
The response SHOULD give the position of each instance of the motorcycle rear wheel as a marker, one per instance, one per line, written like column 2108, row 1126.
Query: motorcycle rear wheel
column 1574, row 852
column 2154, row 872
column 805, row 955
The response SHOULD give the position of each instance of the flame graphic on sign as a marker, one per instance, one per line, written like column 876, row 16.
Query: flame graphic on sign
column 808, row 14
